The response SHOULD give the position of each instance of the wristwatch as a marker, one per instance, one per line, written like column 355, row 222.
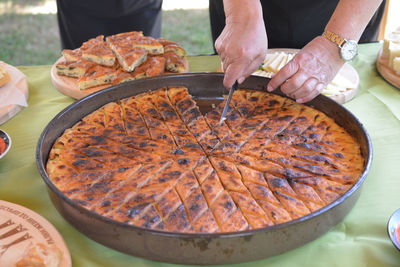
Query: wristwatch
column 348, row 48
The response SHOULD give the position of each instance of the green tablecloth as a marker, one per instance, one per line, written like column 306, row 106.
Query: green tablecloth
column 360, row 240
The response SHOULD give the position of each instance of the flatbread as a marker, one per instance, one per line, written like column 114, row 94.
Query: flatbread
column 154, row 161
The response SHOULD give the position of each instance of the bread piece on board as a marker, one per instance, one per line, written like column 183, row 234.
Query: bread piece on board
column 172, row 46
column 173, row 62
column 100, row 53
column 97, row 75
column 72, row 55
column 76, row 54
column 153, row 66
column 4, row 76
column 129, row 57
column 151, row 45
column 74, row 69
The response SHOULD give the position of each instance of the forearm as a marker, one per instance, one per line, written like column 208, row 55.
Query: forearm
column 351, row 17
column 239, row 10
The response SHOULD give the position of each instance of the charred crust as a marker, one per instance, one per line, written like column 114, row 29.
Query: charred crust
column 228, row 205
column 277, row 182
column 338, row 155
column 177, row 151
column 285, row 118
column 272, row 103
column 105, row 203
column 183, row 161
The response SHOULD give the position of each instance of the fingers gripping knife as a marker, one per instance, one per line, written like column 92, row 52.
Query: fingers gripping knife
column 228, row 101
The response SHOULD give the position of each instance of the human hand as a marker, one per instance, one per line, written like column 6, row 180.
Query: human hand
column 242, row 44
column 310, row 70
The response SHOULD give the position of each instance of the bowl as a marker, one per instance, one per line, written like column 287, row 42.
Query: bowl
column 7, row 140
column 393, row 228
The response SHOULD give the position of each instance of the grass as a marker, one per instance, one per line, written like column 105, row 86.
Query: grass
column 190, row 28
column 29, row 39
column 33, row 39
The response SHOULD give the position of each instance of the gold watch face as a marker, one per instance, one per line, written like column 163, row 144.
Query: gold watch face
column 349, row 50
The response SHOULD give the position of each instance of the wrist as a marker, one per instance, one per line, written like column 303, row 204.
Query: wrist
column 331, row 48
column 348, row 48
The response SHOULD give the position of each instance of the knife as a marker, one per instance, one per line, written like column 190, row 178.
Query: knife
column 228, row 101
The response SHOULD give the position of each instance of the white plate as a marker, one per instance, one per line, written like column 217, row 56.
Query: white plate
column 346, row 71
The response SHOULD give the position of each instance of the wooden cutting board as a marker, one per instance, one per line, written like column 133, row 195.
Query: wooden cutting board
column 382, row 64
column 10, row 111
column 347, row 71
column 69, row 86
column 21, row 228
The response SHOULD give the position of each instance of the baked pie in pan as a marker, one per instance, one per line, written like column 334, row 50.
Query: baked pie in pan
column 155, row 161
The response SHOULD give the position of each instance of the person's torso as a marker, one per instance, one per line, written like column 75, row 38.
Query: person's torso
column 293, row 23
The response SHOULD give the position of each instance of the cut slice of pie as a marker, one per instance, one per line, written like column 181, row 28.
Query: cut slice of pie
column 172, row 46
column 151, row 45
column 128, row 56
column 73, row 69
column 72, row 55
column 124, row 76
column 100, row 53
column 97, row 75
column 39, row 255
column 91, row 42
column 124, row 37
column 153, row 66
column 173, row 62
column 76, row 54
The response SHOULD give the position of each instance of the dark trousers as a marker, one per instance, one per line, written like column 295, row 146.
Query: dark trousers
column 80, row 20
column 294, row 23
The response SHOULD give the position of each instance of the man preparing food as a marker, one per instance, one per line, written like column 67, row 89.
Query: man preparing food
column 251, row 25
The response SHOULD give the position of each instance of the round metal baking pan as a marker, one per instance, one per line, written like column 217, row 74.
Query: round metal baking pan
column 197, row 248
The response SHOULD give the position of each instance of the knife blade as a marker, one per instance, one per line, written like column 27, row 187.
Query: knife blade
column 228, row 101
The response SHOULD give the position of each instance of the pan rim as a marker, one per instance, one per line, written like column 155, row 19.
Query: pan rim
column 49, row 183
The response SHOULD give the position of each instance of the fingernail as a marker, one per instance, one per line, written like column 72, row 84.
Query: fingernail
column 240, row 80
column 269, row 88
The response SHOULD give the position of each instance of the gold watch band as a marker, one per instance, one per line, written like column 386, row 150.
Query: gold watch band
column 334, row 38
